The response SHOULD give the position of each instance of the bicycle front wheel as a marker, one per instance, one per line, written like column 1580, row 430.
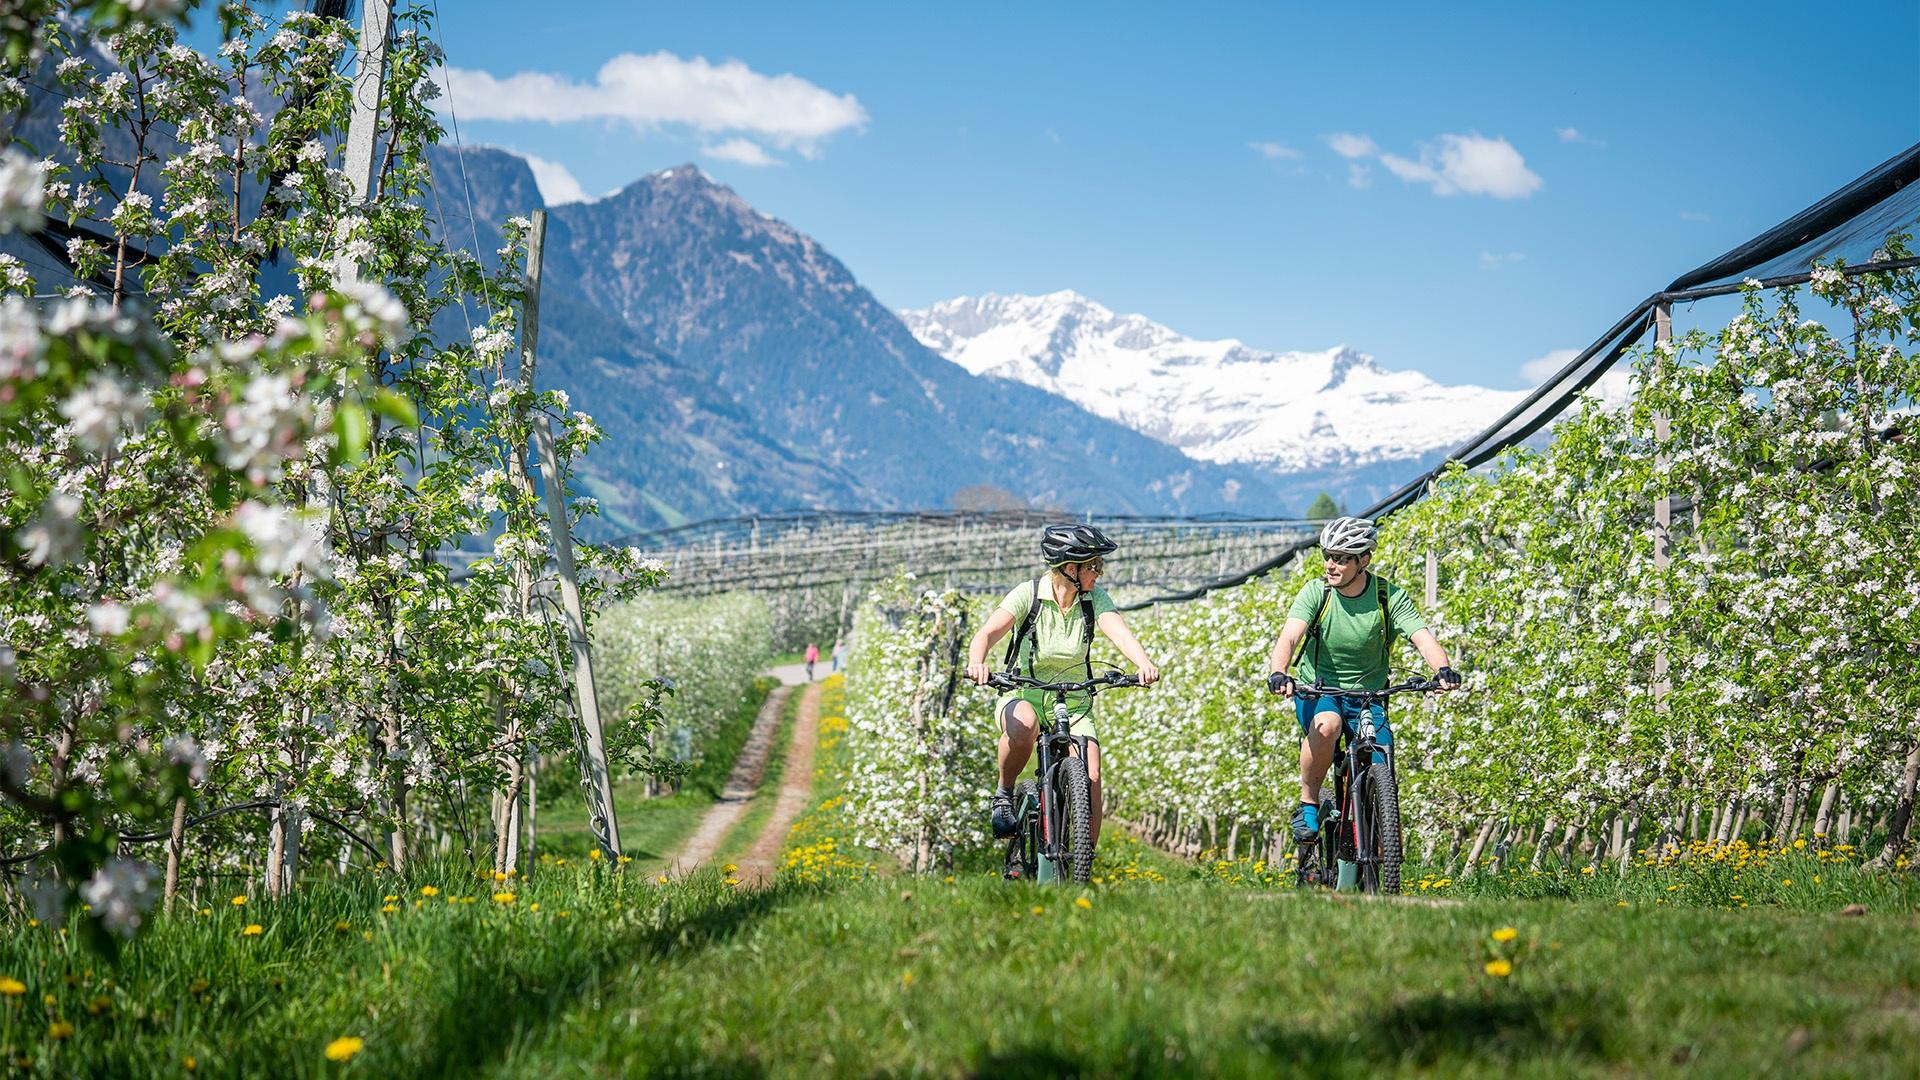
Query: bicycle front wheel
column 1079, row 835
column 1383, row 827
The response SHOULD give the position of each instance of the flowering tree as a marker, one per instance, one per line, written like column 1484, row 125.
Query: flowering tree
column 234, row 456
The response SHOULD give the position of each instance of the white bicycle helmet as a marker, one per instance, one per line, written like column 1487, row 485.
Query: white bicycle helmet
column 1349, row 536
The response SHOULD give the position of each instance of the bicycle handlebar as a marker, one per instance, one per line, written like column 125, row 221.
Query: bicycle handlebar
column 1001, row 680
column 1412, row 686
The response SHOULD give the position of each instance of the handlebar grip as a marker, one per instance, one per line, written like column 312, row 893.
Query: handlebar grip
column 999, row 682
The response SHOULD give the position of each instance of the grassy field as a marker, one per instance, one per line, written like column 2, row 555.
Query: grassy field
column 598, row 969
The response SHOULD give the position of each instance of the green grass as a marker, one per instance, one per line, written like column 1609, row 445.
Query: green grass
column 651, row 830
column 746, row 831
column 896, row 975
column 1169, row 967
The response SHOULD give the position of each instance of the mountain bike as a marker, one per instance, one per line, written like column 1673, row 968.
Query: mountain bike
column 1055, row 810
column 1359, row 843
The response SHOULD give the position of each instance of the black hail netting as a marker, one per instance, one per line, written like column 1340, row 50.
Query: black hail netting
column 1850, row 224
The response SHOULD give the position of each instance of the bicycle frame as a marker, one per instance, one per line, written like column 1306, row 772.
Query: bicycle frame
column 1343, row 852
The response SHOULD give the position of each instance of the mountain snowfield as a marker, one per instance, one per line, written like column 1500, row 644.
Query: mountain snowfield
column 1215, row 400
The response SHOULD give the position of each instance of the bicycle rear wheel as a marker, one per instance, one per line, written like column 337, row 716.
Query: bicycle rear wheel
column 1383, row 827
column 1079, row 836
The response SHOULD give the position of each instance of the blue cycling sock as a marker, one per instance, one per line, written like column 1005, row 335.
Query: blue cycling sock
column 1310, row 813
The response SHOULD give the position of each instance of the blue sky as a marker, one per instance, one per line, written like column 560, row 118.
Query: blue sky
column 1528, row 172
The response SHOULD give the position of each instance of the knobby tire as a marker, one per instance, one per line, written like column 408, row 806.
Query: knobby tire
column 1383, row 796
column 1073, row 775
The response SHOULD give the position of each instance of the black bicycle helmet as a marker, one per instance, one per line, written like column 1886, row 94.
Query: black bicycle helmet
column 1071, row 543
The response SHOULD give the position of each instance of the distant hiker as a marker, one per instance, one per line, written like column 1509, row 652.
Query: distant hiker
column 813, row 657
column 839, row 652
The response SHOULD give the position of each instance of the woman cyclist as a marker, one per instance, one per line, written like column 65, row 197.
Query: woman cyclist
column 1057, row 648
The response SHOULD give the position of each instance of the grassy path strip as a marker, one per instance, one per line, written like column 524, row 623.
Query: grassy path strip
column 796, row 788
column 746, row 828
column 741, row 785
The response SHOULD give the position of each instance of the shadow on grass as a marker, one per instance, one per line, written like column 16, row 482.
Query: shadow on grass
column 1437, row 1030
column 1505, row 1026
column 494, row 1009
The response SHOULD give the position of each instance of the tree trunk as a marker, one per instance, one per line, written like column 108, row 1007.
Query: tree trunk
column 1902, row 815
column 176, row 846
column 1479, row 845
column 1233, row 840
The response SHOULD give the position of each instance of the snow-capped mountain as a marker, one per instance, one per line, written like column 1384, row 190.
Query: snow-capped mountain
column 1329, row 412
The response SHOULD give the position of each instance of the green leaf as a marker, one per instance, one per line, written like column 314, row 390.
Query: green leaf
column 395, row 407
column 350, row 428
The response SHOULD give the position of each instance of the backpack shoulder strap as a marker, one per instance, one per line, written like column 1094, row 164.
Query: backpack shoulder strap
column 1020, row 634
column 1313, row 628
column 1086, row 629
column 1386, row 625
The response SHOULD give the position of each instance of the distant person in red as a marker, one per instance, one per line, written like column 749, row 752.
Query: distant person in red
column 813, row 657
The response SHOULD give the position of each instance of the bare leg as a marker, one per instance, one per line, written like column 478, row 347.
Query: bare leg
column 1316, row 754
column 1016, row 742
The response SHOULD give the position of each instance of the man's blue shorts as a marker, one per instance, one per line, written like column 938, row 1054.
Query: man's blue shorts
column 1306, row 707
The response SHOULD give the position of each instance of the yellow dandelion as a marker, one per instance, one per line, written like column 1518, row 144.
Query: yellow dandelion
column 625, row 859
column 239, row 901
column 1083, row 904
column 253, row 930
column 429, row 890
column 595, row 855
column 906, row 978
column 503, row 898
column 1505, row 934
column 390, row 898
column 729, row 869
column 188, row 1063
column 1586, row 869
column 206, row 911
column 535, row 906
column 1499, row 969
column 1620, row 903
column 342, row 926
column 388, row 909
column 60, row 1029
column 101, row 1003
column 1786, row 881
column 344, row 1047
column 198, row 986
column 12, row 987
column 562, row 914
column 499, row 875
column 1038, row 910
column 662, row 879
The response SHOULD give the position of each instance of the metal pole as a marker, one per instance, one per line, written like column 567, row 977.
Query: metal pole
column 585, row 698
column 1433, row 578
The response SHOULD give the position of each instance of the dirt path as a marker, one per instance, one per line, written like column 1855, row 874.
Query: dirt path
column 741, row 784
column 796, row 787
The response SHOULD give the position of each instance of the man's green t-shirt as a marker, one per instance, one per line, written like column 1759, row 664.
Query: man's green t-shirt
column 1349, row 653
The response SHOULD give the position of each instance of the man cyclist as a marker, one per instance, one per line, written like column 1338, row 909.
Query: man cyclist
column 1064, row 607
column 1346, row 622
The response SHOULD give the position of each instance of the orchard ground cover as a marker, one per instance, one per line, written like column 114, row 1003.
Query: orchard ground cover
column 591, row 966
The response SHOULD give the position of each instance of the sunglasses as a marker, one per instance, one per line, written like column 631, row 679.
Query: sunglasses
column 1338, row 558
column 1098, row 566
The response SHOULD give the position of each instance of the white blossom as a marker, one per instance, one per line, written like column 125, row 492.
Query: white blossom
column 120, row 893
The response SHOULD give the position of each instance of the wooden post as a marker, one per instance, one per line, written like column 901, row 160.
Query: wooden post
column 363, row 128
column 1433, row 579
column 586, row 700
column 1662, row 503
column 176, row 842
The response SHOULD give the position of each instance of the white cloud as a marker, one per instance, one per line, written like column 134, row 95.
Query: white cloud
column 1358, row 175
column 741, row 152
column 1274, row 151
column 1541, row 368
column 1614, row 389
column 556, row 183
column 661, row 89
column 1467, row 165
column 1349, row 145
column 1494, row 260
column 1572, row 135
